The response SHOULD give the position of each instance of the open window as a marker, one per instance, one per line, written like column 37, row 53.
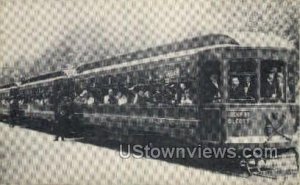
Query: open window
column 273, row 81
column 242, row 81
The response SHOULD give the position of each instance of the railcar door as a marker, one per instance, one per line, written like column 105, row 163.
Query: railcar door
column 211, row 96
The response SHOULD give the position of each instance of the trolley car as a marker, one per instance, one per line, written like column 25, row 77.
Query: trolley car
column 218, row 95
column 214, row 113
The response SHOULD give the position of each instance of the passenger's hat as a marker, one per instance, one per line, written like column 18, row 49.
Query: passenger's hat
column 273, row 70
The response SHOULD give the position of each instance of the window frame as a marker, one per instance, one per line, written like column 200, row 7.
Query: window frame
column 285, row 72
column 255, row 73
column 259, row 99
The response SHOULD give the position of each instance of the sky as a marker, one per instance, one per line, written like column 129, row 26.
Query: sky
column 38, row 36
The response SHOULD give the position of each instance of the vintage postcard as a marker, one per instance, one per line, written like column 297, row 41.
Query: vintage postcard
column 149, row 92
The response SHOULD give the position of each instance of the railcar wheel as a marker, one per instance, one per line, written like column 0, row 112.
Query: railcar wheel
column 251, row 166
column 244, row 166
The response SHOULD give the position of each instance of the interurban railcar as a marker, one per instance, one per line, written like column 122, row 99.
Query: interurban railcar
column 219, row 95
column 216, row 94
column 180, row 99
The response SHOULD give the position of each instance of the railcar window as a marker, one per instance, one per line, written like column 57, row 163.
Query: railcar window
column 211, row 82
column 186, row 94
column 292, row 80
column 242, row 81
column 39, row 98
column 146, row 94
column 273, row 86
column 86, row 91
column 160, row 90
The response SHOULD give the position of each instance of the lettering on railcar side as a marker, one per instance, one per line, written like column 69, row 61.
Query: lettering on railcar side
column 238, row 117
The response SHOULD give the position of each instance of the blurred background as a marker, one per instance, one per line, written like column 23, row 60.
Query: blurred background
column 39, row 36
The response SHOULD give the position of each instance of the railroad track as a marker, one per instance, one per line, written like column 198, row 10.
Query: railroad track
column 282, row 165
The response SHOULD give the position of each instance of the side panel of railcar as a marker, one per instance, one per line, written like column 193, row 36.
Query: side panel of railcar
column 4, row 103
column 161, row 84
column 262, row 124
column 37, row 100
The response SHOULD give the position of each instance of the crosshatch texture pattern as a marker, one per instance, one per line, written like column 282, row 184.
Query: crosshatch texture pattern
column 38, row 37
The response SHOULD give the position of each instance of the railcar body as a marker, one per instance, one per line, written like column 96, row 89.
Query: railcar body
column 240, row 121
column 37, row 96
column 6, row 97
column 223, row 95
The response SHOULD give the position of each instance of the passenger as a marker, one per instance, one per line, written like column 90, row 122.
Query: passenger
column 45, row 99
column 99, row 95
column 110, row 98
column 121, row 98
column 235, row 91
column 148, row 98
column 169, row 94
column 21, row 102
column 162, row 96
column 249, row 88
column 186, row 98
column 292, row 82
column 41, row 101
column 3, row 102
column 212, row 89
column 90, row 100
column 274, row 70
column 38, row 102
column 269, row 86
column 82, row 96
column 29, row 104
column 175, row 99
column 166, row 95
column 139, row 98
column 157, row 97
column 280, row 87
column 182, row 87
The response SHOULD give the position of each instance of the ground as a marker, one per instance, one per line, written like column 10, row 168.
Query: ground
column 32, row 157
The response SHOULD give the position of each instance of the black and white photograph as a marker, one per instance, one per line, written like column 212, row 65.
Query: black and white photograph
column 142, row 92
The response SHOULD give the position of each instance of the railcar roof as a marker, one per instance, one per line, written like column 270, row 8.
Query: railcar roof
column 43, row 77
column 212, row 49
column 196, row 42
column 41, row 82
column 245, row 39
column 7, row 86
